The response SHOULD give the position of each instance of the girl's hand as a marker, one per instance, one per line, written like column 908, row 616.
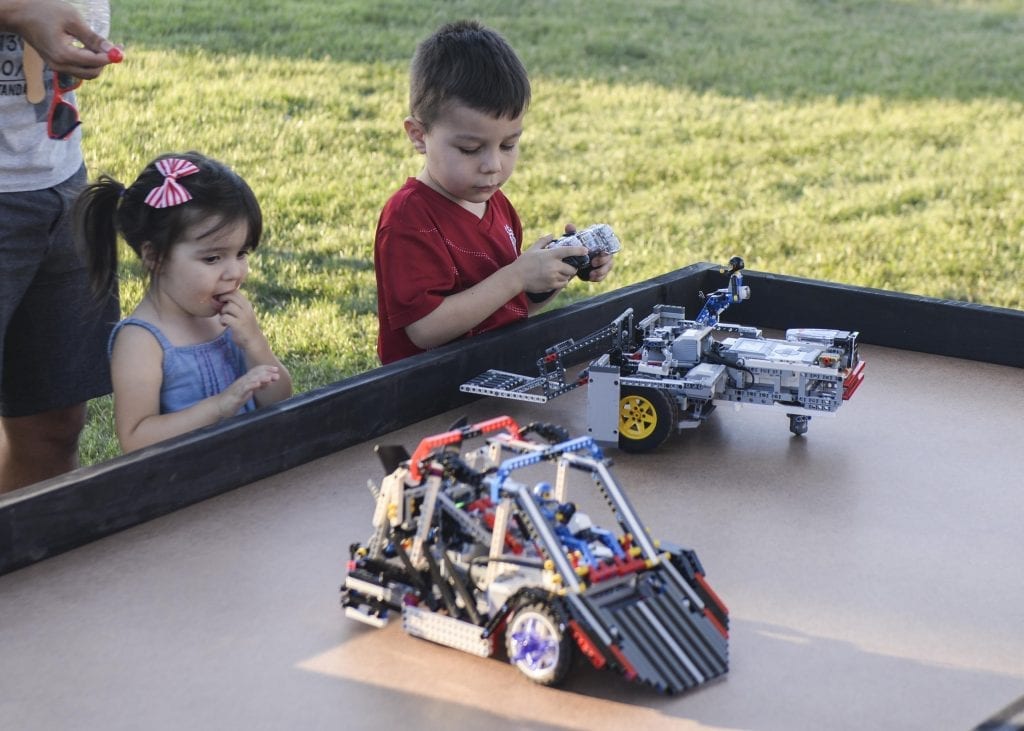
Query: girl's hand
column 272, row 381
column 236, row 313
column 235, row 396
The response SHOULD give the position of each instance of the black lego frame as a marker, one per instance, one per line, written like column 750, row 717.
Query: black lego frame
column 59, row 514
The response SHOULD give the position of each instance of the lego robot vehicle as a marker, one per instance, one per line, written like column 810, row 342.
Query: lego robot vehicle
column 668, row 373
column 467, row 554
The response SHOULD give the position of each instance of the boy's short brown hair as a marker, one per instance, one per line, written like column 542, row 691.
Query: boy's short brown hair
column 469, row 63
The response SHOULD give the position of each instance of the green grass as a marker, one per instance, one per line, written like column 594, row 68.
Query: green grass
column 870, row 142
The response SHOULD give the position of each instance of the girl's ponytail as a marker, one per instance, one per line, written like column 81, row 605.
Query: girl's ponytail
column 95, row 229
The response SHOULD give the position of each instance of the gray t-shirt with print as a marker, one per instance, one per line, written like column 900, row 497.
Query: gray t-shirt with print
column 29, row 159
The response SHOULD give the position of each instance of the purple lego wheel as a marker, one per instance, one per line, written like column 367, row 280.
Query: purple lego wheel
column 538, row 644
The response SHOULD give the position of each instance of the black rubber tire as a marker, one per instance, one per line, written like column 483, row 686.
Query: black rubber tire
column 646, row 418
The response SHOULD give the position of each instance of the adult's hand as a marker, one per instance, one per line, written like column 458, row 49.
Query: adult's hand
column 50, row 26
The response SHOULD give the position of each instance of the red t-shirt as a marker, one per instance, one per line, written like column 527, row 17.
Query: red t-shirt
column 428, row 247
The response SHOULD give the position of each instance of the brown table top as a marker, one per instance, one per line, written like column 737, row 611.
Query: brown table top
column 871, row 569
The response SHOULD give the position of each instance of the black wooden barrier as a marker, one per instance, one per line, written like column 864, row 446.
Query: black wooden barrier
column 59, row 514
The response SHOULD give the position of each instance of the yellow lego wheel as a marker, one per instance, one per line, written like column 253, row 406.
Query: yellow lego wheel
column 645, row 419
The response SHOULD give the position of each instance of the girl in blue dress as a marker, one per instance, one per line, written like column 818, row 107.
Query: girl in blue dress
column 192, row 352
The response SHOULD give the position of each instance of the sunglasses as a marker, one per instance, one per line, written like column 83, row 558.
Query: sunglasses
column 63, row 116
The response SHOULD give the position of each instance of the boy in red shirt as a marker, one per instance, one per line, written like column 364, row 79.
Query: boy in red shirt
column 448, row 253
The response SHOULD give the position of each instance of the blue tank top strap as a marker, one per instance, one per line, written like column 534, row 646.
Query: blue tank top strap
column 165, row 344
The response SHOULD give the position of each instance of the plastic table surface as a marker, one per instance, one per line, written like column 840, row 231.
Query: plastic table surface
column 872, row 570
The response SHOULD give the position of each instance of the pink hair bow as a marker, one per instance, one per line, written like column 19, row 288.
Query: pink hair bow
column 171, row 192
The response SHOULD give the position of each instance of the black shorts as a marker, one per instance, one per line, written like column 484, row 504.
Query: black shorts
column 53, row 332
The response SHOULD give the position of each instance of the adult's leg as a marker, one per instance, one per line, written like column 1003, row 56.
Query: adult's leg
column 53, row 336
column 37, row 447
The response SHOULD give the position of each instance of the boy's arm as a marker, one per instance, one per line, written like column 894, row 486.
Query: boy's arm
column 536, row 270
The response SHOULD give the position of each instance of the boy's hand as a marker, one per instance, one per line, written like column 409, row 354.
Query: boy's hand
column 234, row 397
column 236, row 312
column 543, row 269
column 601, row 265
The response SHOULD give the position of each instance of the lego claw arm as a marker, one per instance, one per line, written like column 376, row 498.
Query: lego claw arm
column 718, row 301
